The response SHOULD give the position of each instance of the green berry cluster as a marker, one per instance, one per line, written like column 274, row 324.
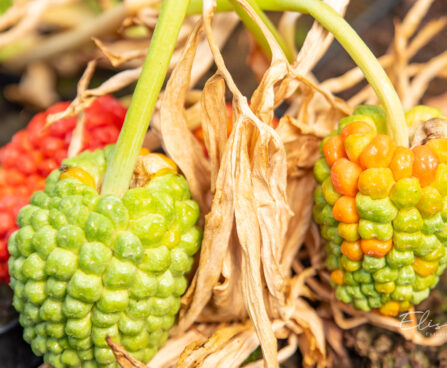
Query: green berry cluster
column 84, row 266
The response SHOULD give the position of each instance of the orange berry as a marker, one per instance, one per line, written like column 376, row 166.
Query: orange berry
column 352, row 250
column 163, row 172
column 390, row 308
column 402, row 163
column 344, row 176
column 333, row 149
column 376, row 182
column 378, row 153
column 345, row 210
column 355, row 144
column 425, row 164
column 198, row 133
column 338, row 277
column 80, row 174
column 356, row 127
column 439, row 146
column 144, row 151
column 424, row 268
column 375, row 247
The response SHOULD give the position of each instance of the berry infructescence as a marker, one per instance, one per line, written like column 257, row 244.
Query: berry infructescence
column 84, row 266
column 382, row 211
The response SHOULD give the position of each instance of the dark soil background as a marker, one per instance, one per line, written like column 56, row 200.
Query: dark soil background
column 373, row 19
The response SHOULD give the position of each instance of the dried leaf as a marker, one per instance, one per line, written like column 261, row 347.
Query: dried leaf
column 415, row 16
column 169, row 354
column 124, row 359
column 61, row 42
column 427, row 130
column 30, row 20
column 178, row 141
column 283, row 354
column 196, row 353
column 121, row 52
column 224, row 25
column 77, row 138
column 86, row 98
column 214, row 123
column 420, row 82
column 37, row 87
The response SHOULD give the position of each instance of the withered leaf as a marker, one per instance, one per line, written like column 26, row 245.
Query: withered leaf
column 124, row 359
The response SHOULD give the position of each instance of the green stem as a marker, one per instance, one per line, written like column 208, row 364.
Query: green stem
column 355, row 47
column 195, row 7
column 120, row 169
column 254, row 29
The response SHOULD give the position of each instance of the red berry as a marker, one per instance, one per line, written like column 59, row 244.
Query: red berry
column 6, row 222
column 4, row 276
column 105, row 134
column 14, row 177
column 37, row 158
column 3, row 174
column 27, row 165
column 61, row 127
column 60, row 155
column 50, row 145
column 6, row 190
column 105, row 111
column 4, row 254
column 47, row 166
column 57, row 107
column 10, row 156
column 22, row 191
column 87, row 139
column 36, row 128
column 22, row 140
column 8, row 202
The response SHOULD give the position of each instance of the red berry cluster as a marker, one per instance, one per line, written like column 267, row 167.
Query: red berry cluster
column 36, row 151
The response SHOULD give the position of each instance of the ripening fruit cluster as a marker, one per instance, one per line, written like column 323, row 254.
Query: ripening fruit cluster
column 382, row 211
column 85, row 266
column 36, row 151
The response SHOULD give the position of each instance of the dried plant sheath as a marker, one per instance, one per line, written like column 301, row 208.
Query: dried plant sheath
column 188, row 154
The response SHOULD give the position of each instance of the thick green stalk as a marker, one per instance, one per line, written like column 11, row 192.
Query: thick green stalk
column 355, row 47
column 120, row 169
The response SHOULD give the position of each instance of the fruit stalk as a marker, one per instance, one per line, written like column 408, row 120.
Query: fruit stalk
column 120, row 169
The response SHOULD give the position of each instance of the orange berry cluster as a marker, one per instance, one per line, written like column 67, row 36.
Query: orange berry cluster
column 382, row 211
